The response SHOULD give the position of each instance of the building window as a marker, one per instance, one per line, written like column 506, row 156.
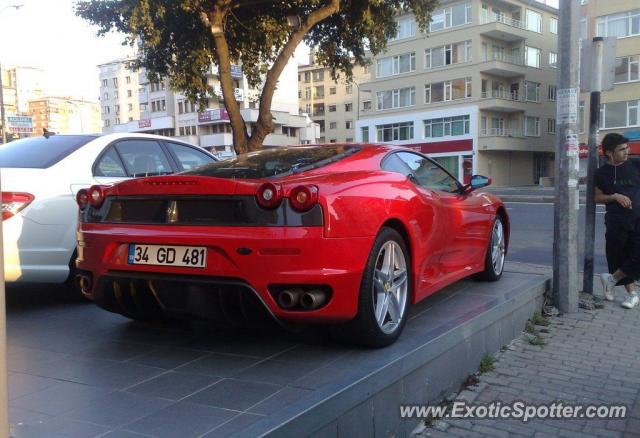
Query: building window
column 348, row 124
column 104, row 82
column 115, row 94
column 447, row 126
column 107, row 123
column 117, row 121
column 553, row 25
column 552, row 93
column 130, row 106
column 551, row 126
column 349, row 139
column 398, row 98
column 395, row 65
column 333, row 125
column 446, row 55
column 106, row 96
column 348, row 89
column 447, row 90
column 532, row 56
column 581, row 116
column 129, row 93
column 365, row 133
column 553, row 59
column 456, row 15
column 117, row 109
column 332, row 108
column 532, row 91
column 620, row 114
column 619, row 25
column 307, row 76
column 627, row 69
column 534, row 21
column 332, row 90
column 348, row 107
column 395, row 131
column 532, row 126
column 318, row 75
column 366, row 105
column 406, row 28
column 319, row 92
column 307, row 93
column 180, row 106
column 115, row 82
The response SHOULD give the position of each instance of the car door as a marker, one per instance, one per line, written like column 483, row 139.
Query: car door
column 188, row 157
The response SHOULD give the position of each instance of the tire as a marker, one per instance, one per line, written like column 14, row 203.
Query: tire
column 494, row 260
column 376, row 324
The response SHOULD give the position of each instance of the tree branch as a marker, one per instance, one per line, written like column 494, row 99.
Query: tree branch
column 264, row 124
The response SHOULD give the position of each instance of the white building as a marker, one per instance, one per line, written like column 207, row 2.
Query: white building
column 168, row 112
column 118, row 94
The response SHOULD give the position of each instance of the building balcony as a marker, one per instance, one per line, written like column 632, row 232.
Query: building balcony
column 191, row 139
column 142, row 78
column 222, row 139
column 280, row 140
column 505, row 66
column 502, row 28
column 502, row 101
column 500, row 140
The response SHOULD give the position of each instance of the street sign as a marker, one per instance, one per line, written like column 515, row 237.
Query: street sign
column 20, row 124
column 588, row 67
column 567, row 105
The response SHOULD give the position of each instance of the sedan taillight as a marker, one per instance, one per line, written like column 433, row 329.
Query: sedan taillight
column 13, row 202
column 82, row 198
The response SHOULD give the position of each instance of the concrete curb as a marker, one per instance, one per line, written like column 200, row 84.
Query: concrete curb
column 533, row 199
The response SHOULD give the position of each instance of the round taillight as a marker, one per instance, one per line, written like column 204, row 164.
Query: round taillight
column 96, row 196
column 303, row 198
column 269, row 195
column 82, row 198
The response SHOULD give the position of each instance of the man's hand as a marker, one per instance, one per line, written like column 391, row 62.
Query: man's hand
column 622, row 200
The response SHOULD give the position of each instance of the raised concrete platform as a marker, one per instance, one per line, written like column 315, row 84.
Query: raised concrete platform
column 75, row 370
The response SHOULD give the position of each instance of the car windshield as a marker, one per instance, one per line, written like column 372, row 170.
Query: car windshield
column 272, row 162
column 40, row 152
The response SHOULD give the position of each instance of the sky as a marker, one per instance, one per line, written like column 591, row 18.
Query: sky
column 47, row 34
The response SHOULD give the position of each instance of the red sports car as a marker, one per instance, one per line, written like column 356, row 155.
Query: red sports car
column 326, row 234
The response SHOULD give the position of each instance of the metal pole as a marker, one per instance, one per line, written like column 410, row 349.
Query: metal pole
column 565, row 214
column 594, row 124
column 2, row 119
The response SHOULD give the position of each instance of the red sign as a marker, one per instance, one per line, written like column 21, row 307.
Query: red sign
column 442, row 146
column 212, row 115
column 144, row 123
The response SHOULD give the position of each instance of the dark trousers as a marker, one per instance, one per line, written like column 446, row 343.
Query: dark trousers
column 623, row 246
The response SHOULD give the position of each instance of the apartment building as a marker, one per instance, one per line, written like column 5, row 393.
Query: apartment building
column 119, row 90
column 620, row 107
column 65, row 115
column 333, row 105
column 168, row 112
column 476, row 93
column 19, row 85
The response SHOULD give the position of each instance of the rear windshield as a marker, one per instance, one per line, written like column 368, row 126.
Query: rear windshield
column 280, row 161
column 40, row 152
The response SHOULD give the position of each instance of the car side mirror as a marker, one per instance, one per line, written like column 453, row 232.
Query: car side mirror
column 479, row 181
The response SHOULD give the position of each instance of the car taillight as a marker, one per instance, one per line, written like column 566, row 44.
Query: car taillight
column 82, row 198
column 303, row 198
column 96, row 196
column 269, row 195
column 13, row 202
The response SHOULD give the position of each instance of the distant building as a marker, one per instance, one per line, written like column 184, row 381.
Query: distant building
column 19, row 85
column 65, row 115
column 477, row 93
column 620, row 107
column 164, row 111
column 119, row 90
column 332, row 104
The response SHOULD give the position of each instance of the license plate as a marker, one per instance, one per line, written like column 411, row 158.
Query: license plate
column 162, row 255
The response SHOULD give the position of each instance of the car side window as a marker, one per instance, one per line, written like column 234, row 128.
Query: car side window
column 188, row 157
column 143, row 158
column 428, row 174
column 110, row 165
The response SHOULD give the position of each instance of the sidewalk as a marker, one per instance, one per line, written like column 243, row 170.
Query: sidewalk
column 534, row 194
column 590, row 357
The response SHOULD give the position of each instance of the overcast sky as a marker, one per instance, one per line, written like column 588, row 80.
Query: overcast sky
column 47, row 34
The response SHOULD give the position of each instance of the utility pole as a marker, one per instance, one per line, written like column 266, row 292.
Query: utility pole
column 565, row 213
column 594, row 124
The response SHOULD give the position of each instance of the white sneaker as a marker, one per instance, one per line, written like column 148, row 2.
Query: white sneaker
column 631, row 301
column 608, row 284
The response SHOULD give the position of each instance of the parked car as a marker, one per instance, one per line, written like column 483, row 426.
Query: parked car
column 323, row 234
column 40, row 178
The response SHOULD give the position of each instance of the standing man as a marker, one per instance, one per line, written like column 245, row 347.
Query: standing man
column 618, row 186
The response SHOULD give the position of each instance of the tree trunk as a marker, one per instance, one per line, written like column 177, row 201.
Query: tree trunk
column 264, row 124
column 238, row 125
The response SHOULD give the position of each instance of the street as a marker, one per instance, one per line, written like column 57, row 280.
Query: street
column 532, row 235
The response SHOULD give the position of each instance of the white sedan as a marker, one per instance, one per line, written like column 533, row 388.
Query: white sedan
column 40, row 177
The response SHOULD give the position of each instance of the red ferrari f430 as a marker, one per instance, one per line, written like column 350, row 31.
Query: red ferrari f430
column 336, row 234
